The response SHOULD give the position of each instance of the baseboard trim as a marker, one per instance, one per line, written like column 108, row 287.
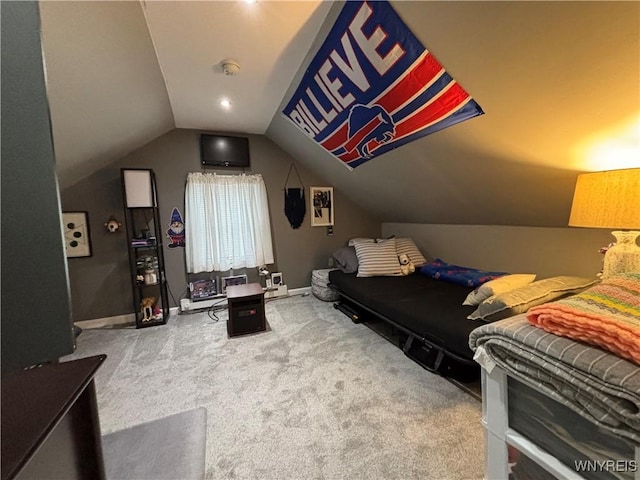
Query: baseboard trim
column 300, row 291
column 117, row 320
column 106, row 322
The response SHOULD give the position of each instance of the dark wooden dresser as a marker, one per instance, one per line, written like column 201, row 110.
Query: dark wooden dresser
column 50, row 424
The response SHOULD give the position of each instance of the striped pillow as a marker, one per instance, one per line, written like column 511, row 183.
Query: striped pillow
column 378, row 259
column 408, row 247
column 353, row 241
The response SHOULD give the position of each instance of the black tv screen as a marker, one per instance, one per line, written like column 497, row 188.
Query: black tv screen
column 224, row 151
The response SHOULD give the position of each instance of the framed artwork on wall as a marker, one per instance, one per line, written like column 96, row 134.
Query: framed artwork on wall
column 276, row 279
column 77, row 240
column 321, row 206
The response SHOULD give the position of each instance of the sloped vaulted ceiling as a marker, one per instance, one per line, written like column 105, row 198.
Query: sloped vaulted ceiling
column 549, row 75
column 268, row 40
column 554, row 79
column 121, row 73
column 106, row 92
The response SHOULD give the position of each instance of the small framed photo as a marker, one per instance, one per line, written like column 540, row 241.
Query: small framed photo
column 276, row 279
column 77, row 240
column 321, row 199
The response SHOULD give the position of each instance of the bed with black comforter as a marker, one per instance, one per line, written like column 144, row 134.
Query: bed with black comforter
column 427, row 316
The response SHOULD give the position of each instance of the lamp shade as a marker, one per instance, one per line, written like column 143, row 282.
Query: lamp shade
column 607, row 200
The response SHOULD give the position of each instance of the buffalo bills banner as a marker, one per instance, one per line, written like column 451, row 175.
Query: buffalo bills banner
column 373, row 87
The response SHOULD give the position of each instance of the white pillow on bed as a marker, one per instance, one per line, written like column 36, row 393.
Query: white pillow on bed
column 408, row 247
column 499, row 285
column 378, row 259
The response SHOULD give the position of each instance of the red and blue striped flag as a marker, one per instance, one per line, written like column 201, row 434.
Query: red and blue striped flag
column 372, row 87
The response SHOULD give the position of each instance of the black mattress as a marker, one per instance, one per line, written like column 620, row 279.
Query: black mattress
column 429, row 309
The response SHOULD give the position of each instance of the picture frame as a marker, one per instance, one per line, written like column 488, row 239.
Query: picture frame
column 77, row 235
column 322, row 206
column 276, row 279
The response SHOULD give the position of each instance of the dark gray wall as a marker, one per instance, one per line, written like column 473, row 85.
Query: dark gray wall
column 100, row 285
column 36, row 324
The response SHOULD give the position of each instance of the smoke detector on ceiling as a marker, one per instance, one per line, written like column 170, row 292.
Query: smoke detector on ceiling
column 230, row 67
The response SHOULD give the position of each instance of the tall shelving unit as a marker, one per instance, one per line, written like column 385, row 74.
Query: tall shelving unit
column 146, row 257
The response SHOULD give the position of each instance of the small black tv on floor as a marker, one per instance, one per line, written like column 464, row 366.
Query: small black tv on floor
column 224, row 151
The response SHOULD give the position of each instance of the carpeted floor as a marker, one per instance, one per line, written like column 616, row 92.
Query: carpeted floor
column 317, row 397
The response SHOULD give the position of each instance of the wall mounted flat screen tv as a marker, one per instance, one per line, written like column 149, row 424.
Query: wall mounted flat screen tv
column 224, row 151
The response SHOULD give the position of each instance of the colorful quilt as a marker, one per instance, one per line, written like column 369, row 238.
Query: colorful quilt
column 606, row 315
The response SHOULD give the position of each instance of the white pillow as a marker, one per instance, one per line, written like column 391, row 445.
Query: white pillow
column 408, row 247
column 378, row 259
column 499, row 285
column 353, row 241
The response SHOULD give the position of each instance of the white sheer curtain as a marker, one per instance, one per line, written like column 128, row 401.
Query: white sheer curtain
column 226, row 222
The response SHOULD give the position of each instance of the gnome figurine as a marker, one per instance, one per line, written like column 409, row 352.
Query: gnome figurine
column 175, row 232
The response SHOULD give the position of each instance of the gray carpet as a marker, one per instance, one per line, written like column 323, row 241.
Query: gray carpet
column 169, row 448
column 317, row 397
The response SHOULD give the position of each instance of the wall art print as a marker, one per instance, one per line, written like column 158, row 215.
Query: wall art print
column 175, row 232
column 372, row 87
column 77, row 240
column 322, row 214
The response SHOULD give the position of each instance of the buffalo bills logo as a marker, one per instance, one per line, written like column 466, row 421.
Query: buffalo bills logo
column 372, row 87
column 369, row 127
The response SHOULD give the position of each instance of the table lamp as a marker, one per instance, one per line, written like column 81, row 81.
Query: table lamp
column 611, row 199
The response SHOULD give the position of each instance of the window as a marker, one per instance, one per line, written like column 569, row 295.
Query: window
column 226, row 222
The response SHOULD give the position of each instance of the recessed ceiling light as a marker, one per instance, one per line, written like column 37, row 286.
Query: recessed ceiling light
column 225, row 103
column 250, row 1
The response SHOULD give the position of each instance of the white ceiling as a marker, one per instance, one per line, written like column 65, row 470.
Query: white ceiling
column 268, row 39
